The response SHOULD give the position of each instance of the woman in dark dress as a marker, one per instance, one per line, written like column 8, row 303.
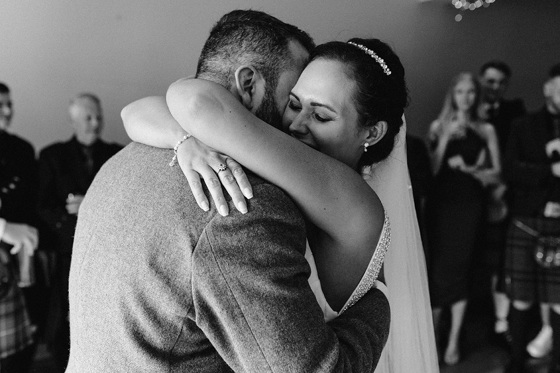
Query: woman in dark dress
column 465, row 158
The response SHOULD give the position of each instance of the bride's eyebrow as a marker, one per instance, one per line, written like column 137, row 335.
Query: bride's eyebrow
column 315, row 104
column 318, row 104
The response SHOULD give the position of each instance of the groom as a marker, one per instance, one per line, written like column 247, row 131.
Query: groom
column 157, row 284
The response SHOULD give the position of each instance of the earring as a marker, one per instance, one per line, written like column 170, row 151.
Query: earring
column 365, row 147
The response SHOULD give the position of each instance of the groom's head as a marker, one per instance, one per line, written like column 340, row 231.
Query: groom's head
column 258, row 58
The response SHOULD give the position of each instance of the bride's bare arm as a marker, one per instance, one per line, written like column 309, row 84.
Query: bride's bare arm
column 490, row 175
column 438, row 143
column 149, row 121
column 346, row 211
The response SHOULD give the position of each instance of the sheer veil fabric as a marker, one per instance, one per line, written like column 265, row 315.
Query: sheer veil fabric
column 411, row 344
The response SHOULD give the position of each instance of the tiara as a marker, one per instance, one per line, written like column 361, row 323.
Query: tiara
column 373, row 55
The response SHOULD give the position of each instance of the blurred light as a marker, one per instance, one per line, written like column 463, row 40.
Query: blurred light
column 470, row 5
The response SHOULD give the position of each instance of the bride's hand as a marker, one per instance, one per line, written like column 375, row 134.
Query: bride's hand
column 196, row 160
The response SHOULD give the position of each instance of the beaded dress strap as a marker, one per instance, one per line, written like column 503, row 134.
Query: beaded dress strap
column 374, row 266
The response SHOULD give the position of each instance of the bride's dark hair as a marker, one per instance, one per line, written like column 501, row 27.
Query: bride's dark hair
column 378, row 97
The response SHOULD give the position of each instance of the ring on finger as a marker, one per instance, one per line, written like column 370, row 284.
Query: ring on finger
column 222, row 167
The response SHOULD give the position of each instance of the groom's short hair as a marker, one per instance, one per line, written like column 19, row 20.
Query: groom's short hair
column 249, row 37
column 4, row 88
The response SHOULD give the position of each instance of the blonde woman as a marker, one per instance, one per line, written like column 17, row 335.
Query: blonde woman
column 465, row 159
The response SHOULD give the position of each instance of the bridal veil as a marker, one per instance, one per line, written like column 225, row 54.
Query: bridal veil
column 411, row 344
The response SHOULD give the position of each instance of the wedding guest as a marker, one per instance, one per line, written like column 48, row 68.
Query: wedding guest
column 66, row 170
column 17, row 236
column 532, row 170
column 494, row 77
column 464, row 154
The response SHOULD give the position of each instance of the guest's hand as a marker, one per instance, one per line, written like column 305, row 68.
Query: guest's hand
column 21, row 237
column 455, row 129
column 552, row 146
column 487, row 177
column 196, row 160
column 73, row 203
column 456, row 163
column 556, row 169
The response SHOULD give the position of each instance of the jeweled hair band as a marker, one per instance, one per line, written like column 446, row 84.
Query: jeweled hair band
column 373, row 55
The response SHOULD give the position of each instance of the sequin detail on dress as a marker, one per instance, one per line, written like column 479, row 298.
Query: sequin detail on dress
column 374, row 266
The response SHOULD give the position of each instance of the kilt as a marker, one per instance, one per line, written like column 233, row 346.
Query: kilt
column 525, row 279
column 16, row 332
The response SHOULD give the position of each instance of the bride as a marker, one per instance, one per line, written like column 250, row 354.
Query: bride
column 348, row 104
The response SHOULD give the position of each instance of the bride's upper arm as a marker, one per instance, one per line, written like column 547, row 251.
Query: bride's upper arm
column 149, row 121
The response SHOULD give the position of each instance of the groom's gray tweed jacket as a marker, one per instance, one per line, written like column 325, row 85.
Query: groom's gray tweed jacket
column 158, row 285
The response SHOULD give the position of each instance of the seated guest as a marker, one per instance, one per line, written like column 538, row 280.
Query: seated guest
column 66, row 170
column 17, row 236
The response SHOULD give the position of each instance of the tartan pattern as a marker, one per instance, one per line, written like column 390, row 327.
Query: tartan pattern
column 525, row 279
column 15, row 326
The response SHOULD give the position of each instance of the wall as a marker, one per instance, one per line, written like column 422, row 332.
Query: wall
column 124, row 49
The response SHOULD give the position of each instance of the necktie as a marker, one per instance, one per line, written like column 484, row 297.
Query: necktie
column 556, row 126
column 88, row 152
column 556, row 133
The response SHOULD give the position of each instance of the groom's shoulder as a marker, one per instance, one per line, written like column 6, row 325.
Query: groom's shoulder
column 263, row 188
column 269, row 199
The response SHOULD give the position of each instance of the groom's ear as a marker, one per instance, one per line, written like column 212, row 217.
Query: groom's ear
column 376, row 132
column 249, row 86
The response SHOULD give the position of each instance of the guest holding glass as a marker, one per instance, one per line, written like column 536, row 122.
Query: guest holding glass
column 465, row 158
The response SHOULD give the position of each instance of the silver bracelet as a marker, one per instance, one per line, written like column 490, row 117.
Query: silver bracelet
column 176, row 147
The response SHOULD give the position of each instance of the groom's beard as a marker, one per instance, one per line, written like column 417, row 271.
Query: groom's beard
column 268, row 111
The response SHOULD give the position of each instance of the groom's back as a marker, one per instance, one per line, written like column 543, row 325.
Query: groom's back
column 131, row 282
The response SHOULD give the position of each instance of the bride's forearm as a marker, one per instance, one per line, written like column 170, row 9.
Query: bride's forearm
column 149, row 121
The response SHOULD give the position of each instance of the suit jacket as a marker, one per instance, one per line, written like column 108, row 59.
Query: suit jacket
column 18, row 179
column 157, row 284
column 63, row 170
column 527, row 168
column 508, row 111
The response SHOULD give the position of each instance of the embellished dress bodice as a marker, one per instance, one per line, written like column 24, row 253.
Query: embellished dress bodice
column 368, row 281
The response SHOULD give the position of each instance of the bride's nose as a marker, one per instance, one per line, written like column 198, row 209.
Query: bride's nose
column 299, row 124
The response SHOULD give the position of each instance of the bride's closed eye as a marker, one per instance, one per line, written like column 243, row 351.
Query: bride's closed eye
column 320, row 118
column 294, row 105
